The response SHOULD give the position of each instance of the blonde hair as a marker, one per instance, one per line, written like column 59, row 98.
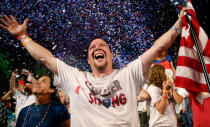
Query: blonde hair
column 157, row 76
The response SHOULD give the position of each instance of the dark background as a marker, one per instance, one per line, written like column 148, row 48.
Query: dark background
column 67, row 27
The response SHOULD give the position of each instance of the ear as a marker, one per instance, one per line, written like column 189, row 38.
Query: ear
column 88, row 59
column 112, row 56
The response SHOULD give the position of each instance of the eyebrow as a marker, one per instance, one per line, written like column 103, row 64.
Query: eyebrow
column 43, row 80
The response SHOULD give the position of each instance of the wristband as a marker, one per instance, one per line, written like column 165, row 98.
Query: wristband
column 25, row 41
column 22, row 36
column 164, row 96
column 165, row 91
column 178, row 31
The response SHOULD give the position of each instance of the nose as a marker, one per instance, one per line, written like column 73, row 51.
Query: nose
column 37, row 82
column 97, row 49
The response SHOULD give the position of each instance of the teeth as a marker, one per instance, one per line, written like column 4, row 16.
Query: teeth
column 97, row 56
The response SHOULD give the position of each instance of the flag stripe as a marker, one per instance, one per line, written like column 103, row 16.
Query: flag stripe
column 192, row 63
column 188, row 52
column 190, row 73
column 190, row 84
column 203, row 38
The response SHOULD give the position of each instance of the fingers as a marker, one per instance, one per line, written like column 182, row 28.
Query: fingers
column 3, row 26
column 8, row 19
column 184, row 10
column 25, row 72
column 164, row 83
column 25, row 22
column 13, row 19
column 4, row 22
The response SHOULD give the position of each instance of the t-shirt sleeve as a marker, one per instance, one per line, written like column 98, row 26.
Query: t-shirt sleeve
column 135, row 70
column 182, row 92
column 65, row 76
column 63, row 113
column 145, row 87
column 155, row 94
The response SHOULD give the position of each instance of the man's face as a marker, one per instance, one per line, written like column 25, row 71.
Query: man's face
column 99, row 54
column 42, row 86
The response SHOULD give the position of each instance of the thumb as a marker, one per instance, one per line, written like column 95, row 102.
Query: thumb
column 25, row 22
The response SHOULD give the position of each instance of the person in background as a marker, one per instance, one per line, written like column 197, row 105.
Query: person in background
column 162, row 100
column 3, row 113
column 23, row 92
column 186, row 112
column 44, row 112
column 165, row 60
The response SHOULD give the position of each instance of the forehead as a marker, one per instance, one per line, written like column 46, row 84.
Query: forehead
column 43, row 79
column 28, row 84
column 97, row 41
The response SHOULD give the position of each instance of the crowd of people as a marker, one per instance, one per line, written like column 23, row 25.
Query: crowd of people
column 48, row 106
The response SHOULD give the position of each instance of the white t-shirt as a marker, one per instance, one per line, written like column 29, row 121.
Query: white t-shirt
column 22, row 101
column 184, row 94
column 142, row 106
column 168, row 119
column 114, row 104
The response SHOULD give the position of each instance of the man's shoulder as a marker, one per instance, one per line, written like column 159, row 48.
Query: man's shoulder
column 57, row 105
column 26, row 108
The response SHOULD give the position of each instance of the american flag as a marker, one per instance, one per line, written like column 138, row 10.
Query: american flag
column 189, row 72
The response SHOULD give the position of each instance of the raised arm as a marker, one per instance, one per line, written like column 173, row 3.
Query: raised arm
column 161, row 44
column 37, row 51
column 13, row 83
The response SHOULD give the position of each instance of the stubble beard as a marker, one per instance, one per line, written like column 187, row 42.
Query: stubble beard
column 101, row 67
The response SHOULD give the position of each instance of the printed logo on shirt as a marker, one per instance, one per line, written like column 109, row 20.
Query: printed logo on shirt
column 115, row 101
column 111, row 89
column 99, row 96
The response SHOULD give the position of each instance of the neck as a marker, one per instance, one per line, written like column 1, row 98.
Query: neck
column 42, row 99
column 102, row 73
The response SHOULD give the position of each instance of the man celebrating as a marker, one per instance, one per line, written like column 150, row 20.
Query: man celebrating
column 106, row 97
column 44, row 112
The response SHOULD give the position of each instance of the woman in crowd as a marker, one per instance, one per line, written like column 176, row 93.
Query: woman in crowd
column 162, row 96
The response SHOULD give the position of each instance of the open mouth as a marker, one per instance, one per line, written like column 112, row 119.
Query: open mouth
column 99, row 56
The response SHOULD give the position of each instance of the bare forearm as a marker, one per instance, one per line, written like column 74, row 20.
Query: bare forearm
column 40, row 53
column 162, row 105
column 12, row 85
column 6, row 96
column 166, row 40
column 178, row 98
column 161, row 44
